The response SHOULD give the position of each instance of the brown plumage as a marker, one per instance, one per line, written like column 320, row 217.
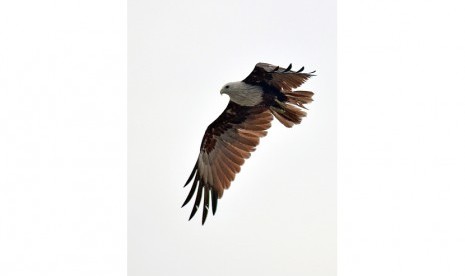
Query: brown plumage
column 230, row 139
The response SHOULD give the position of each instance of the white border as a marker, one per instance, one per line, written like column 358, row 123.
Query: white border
column 63, row 138
column 401, row 149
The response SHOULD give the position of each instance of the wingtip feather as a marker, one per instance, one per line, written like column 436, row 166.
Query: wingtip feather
column 214, row 201
column 288, row 68
column 197, row 200
column 192, row 191
column 206, row 204
column 191, row 175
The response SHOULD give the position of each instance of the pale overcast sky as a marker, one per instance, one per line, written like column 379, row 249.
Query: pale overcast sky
column 279, row 216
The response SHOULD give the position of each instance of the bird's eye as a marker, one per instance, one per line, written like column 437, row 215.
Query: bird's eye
column 227, row 86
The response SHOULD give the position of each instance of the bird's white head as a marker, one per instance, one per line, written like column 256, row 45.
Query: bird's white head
column 230, row 88
column 243, row 93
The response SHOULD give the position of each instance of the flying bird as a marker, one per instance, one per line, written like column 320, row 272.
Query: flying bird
column 265, row 93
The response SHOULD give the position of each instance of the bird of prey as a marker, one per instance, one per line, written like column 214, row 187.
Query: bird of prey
column 265, row 93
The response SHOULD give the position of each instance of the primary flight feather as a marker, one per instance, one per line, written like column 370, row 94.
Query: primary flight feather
column 265, row 93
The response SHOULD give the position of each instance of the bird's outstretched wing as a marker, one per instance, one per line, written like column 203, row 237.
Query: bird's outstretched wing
column 227, row 142
column 283, row 79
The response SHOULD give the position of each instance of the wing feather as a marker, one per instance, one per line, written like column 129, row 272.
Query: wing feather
column 280, row 78
column 231, row 165
column 227, row 142
column 192, row 191
column 197, row 200
column 206, row 204
column 231, row 156
column 238, row 143
column 214, row 200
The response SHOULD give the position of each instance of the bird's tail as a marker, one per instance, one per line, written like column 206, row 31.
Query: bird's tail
column 289, row 112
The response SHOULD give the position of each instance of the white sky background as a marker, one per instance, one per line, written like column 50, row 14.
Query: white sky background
column 279, row 216
column 63, row 148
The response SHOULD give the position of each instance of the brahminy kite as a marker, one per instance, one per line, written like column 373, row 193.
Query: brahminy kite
column 267, row 92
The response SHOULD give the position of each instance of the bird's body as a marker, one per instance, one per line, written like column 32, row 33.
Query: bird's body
column 229, row 140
